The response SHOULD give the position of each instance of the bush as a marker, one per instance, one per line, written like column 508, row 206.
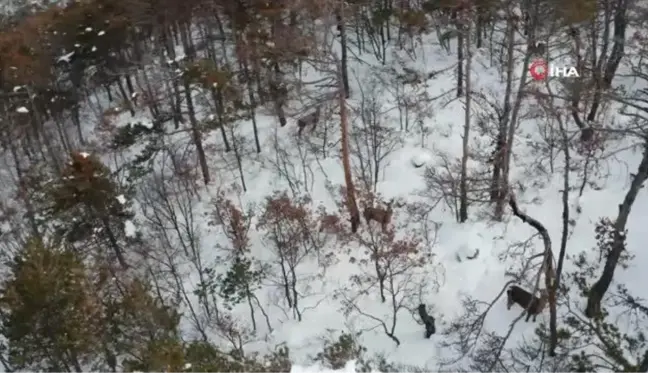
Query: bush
column 336, row 354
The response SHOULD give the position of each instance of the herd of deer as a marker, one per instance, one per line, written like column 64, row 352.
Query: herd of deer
column 515, row 294
column 382, row 215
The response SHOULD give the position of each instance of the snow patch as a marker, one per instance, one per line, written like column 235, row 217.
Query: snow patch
column 22, row 110
column 349, row 367
column 66, row 57
column 121, row 199
column 130, row 229
column 421, row 158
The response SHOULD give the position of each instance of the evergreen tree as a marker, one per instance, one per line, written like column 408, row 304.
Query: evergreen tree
column 51, row 316
column 87, row 203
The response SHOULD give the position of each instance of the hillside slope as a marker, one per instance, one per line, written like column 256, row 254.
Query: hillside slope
column 262, row 255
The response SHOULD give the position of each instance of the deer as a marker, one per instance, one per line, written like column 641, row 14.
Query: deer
column 328, row 223
column 532, row 304
column 378, row 214
column 428, row 321
column 310, row 119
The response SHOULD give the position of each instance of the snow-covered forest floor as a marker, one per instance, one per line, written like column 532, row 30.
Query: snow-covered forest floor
column 311, row 289
column 330, row 300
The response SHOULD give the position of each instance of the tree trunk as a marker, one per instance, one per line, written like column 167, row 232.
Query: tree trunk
column 195, row 133
column 618, row 51
column 239, row 161
column 30, row 213
column 175, row 99
column 278, row 97
column 618, row 244
column 350, row 190
column 463, row 187
column 217, row 96
column 253, row 104
column 460, row 53
column 126, row 97
column 515, row 111
column 119, row 254
column 343, row 44
column 498, row 193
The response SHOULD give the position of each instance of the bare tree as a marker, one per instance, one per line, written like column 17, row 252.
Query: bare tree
column 350, row 188
column 396, row 267
column 299, row 176
column 288, row 227
column 374, row 140
column 547, row 266
column 509, row 114
column 170, row 217
column 638, row 116
column 245, row 274
column 463, row 187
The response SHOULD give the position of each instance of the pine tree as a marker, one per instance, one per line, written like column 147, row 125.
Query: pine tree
column 85, row 202
column 51, row 315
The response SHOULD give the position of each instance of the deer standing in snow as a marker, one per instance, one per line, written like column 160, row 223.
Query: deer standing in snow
column 309, row 120
column 428, row 321
column 532, row 304
column 379, row 214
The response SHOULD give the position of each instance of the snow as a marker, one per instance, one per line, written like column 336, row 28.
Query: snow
column 421, row 158
column 349, row 367
column 121, row 199
column 84, row 154
column 453, row 270
column 101, row 33
column 130, row 229
column 22, row 110
column 466, row 259
column 66, row 57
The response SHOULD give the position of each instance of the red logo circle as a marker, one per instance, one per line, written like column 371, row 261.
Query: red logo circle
column 538, row 69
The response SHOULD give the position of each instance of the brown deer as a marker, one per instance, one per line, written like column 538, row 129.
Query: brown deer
column 381, row 215
column 310, row 119
column 329, row 223
column 532, row 304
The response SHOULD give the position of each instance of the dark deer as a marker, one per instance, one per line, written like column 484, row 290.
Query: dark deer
column 428, row 321
column 532, row 304
column 308, row 120
column 381, row 215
